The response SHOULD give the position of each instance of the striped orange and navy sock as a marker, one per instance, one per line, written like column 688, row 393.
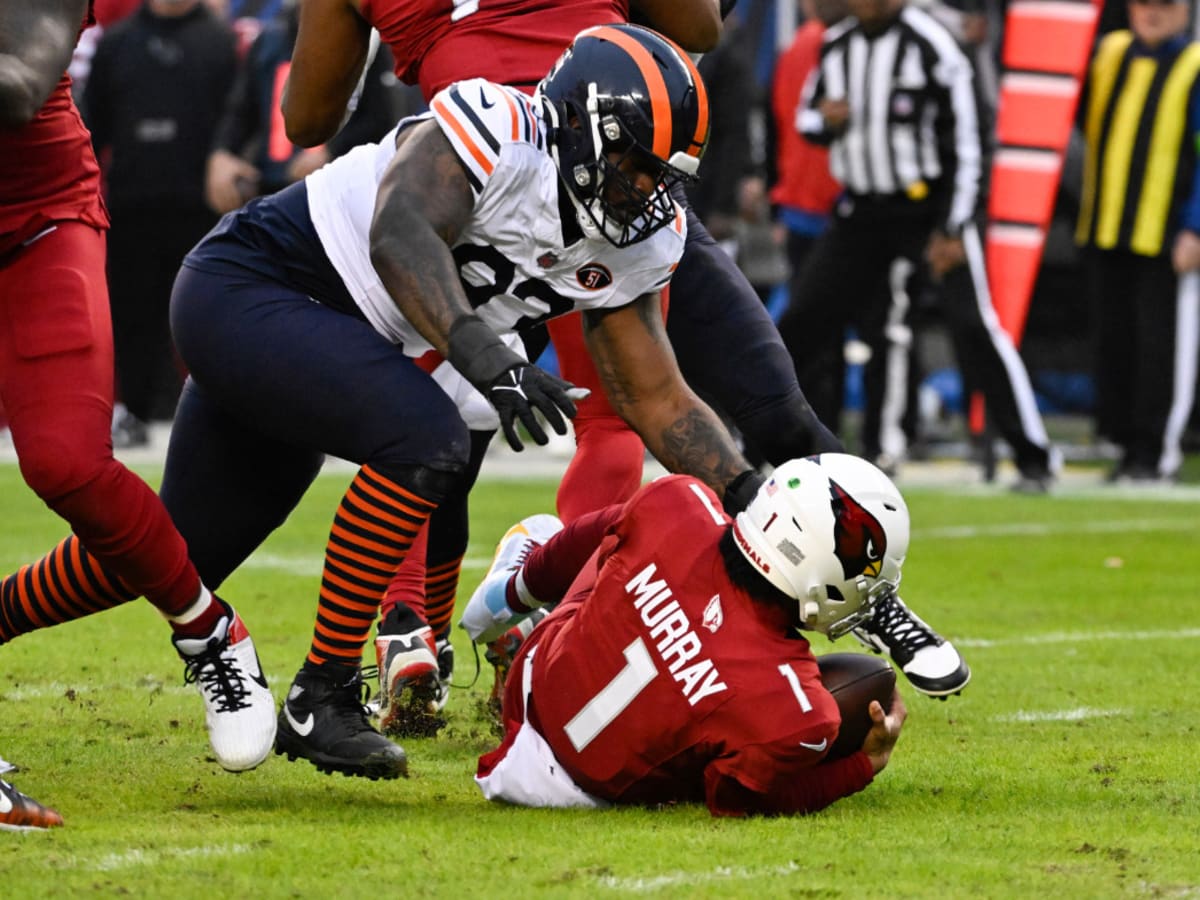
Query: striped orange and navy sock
column 67, row 583
column 441, row 587
column 374, row 527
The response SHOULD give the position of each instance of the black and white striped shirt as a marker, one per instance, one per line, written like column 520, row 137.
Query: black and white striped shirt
column 914, row 113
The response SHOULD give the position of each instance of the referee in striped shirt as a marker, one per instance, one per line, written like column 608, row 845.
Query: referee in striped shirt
column 895, row 97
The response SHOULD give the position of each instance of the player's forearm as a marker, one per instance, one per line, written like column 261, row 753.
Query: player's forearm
column 644, row 386
column 693, row 24
column 419, row 273
column 36, row 41
column 691, row 440
column 552, row 567
column 331, row 48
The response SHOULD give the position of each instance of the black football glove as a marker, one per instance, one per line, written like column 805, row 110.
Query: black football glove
column 518, row 391
column 513, row 386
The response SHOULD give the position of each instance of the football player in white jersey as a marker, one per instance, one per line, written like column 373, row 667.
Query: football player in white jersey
column 310, row 320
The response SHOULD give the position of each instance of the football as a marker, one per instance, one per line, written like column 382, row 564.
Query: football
column 855, row 679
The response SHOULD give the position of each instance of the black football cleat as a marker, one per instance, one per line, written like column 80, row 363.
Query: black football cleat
column 324, row 721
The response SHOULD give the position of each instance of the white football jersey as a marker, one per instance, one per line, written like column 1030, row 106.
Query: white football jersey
column 512, row 260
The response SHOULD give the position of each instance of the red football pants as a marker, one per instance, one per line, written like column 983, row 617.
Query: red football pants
column 607, row 465
column 56, row 386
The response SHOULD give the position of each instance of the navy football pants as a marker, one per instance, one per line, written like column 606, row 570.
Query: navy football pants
column 277, row 382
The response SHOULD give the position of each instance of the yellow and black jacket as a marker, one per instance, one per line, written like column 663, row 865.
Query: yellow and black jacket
column 1140, row 113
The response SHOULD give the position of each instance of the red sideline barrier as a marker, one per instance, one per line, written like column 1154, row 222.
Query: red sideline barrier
column 1014, row 253
column 1049, row 35
column 1024, row 183
column 1047, row 40
column 1036, row 110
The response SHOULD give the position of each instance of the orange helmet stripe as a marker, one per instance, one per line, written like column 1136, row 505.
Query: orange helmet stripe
column 701, row 99
column 660, row 100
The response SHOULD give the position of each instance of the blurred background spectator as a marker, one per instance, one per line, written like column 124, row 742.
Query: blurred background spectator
column 152, row 100
column 804, row 189
column 898, row 103
column 251, row 153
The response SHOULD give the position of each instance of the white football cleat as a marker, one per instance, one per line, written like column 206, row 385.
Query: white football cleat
column 239, row 710
column 488, row 614
column 928, row 660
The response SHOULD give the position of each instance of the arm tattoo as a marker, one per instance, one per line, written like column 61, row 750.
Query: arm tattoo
column 698, row 444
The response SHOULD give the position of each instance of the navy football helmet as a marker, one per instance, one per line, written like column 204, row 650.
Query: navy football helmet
column 622, row 95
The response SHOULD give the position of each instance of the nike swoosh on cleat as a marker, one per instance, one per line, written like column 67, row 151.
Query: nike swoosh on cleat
column 6, row 804
column 304, row 729
column 483, row 100
column 815, row 748
column 257, row 676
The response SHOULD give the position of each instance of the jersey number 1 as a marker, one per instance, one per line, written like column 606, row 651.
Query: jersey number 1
column 612, row 699
column 463, row 8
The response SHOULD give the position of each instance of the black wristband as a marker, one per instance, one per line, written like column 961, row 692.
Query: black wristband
column 478, row 353
column 740, row 491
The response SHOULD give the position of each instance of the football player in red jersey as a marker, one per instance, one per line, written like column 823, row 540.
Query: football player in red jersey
column 56, row 372
column 671, row 670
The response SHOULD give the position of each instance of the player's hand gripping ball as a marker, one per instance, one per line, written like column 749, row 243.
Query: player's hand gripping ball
column 855, row 679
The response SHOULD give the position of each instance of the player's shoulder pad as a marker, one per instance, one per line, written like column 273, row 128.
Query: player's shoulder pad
column 479, row 118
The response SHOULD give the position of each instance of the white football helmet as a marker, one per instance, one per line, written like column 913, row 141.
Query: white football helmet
column 830, row 530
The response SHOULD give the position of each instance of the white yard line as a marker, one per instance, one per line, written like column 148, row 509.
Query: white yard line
column 1061, row 715
column 310, row 565
column 113, row 861
column 1082, row 637
column 721, row 873
column 1034, row 529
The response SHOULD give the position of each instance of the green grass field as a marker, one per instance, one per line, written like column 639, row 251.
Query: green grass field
column 1066, row 769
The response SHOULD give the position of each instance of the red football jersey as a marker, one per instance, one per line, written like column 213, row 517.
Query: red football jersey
column 438, row 42
column 47, row 170
column 657, row 679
